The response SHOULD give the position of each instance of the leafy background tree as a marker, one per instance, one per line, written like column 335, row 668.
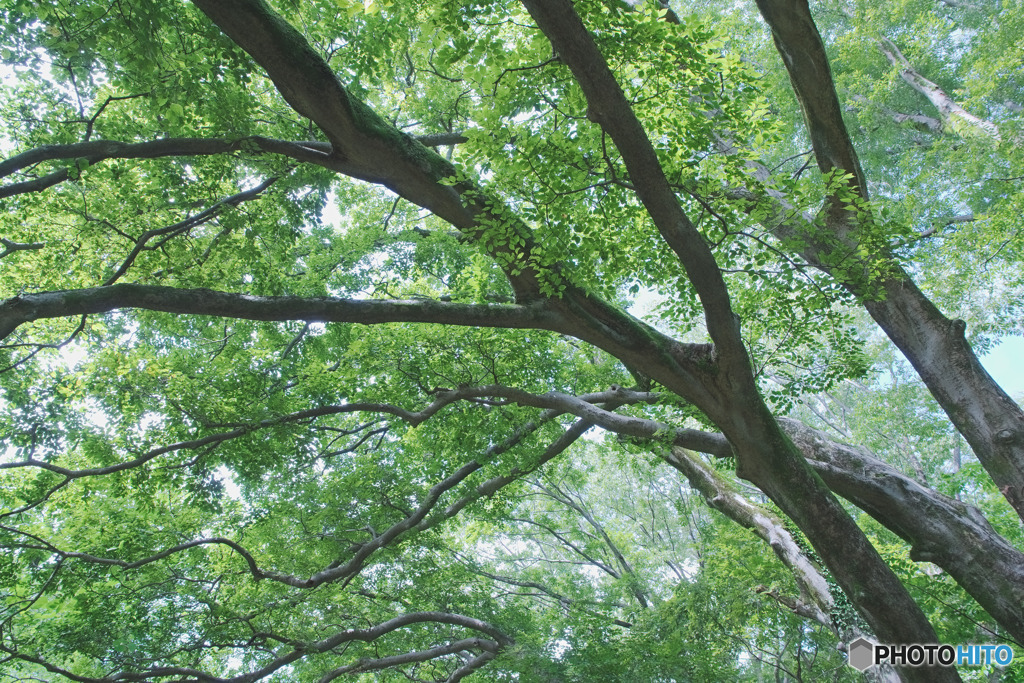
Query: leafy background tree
column 320, row 359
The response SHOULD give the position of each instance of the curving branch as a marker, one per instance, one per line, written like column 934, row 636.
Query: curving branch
column 941, row 530
column 609, row 107
column 494, row 484
column 588, row 408
column 815, row 601
column 418, row 520
column 563, row 600
column 487, row 647
column 367, row 147
column 211, row 439
column 85, row 154
column 156, row 557
column 181, row 227
column 581, row 316
column 944, row 223
column 919, row 121
column 421, row 518
column 88, row 153
column 952, row 113
column 764, row 455
column 981, row 561
column 990, row 421
column 498, row 641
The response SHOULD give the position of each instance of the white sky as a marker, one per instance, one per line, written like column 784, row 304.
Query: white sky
column 1006, row 365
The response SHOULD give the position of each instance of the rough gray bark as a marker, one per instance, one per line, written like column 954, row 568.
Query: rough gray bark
column 941, row 530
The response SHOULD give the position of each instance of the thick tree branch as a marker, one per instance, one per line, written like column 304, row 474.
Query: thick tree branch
column 891, row 497
column 370, row 634
column 366, row 146
column 10, row 246
column 988, row 418
column 581, row 316
column 941, row 530
column 374, row 150
column 803, row 53
column 441, row 139
column 608, row 106
column 764, row 454
column 97, row 151
column 29, row 307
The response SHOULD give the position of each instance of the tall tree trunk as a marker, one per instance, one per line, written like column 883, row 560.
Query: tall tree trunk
column 987, row 417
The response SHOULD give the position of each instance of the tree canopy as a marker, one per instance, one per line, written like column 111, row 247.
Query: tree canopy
column 530, row 340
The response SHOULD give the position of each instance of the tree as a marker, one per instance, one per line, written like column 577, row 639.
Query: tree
column 281, row 443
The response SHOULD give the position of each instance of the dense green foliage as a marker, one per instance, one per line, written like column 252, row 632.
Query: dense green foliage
column 171, row 481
